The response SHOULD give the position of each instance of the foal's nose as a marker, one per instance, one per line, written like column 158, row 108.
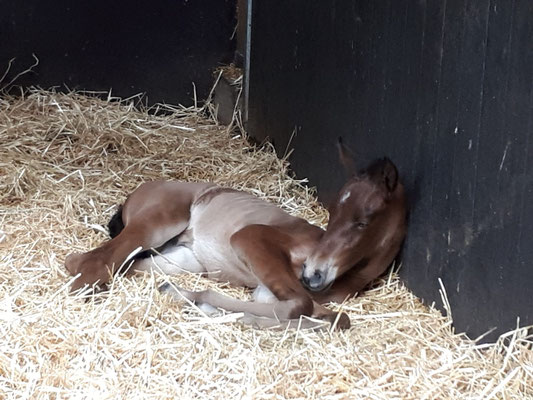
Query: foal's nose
column 315, row 282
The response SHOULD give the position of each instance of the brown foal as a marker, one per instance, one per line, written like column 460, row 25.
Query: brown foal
column 234, row 236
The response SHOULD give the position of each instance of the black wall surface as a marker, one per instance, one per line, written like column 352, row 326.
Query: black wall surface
column 444, row 88
column 157, row 47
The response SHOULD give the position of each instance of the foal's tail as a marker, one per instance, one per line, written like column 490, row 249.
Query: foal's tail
column 116, row 224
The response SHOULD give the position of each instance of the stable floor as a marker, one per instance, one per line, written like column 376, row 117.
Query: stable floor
column 67, row 160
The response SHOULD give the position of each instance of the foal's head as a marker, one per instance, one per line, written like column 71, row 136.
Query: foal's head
column 366, row 220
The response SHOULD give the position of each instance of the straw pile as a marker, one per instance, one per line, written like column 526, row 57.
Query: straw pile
column 67, row 159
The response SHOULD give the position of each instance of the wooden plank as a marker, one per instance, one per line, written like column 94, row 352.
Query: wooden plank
column 413, row 270
column 426, row 237
column 471, row 71
column 158, row 48
column 516, row 174
column 396, row 120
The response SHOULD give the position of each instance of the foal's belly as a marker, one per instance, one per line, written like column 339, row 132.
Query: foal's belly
column 212, row 226
column 221, row 263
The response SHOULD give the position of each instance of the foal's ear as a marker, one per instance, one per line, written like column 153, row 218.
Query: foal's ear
column 389, row 175
column 346, row 158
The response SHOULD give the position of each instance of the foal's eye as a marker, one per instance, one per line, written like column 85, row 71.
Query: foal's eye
column 361, row 225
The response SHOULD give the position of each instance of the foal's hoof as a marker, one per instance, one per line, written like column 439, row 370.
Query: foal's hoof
column 343, row 321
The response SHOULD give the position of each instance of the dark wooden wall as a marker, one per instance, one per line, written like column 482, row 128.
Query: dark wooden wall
column 444, row 88
column 157, row 47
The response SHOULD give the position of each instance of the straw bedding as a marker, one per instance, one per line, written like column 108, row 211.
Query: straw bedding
column 66, row 160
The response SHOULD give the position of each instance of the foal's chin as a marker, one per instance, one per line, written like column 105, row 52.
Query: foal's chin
column 318, row 289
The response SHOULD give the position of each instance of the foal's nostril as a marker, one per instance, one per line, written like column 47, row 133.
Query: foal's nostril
column 317, row 276
column 315, row 281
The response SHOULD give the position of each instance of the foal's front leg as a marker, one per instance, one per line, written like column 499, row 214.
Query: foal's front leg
column 263, row 249
column 258, row 247
column 266, row 251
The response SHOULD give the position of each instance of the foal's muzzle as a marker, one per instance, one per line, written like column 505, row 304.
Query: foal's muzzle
column 315, row 282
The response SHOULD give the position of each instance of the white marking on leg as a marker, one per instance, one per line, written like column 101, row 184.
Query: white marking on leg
column 263, row 295
column 174, row 261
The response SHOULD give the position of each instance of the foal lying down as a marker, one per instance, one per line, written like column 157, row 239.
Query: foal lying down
column 235, row 237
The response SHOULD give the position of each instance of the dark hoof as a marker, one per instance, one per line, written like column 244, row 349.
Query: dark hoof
column 88, row 293
column 343, row 321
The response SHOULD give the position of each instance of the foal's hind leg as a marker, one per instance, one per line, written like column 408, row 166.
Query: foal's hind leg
column 152, row 229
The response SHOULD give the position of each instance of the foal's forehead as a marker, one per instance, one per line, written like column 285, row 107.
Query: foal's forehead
column 360, row 193
column 357, row 187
